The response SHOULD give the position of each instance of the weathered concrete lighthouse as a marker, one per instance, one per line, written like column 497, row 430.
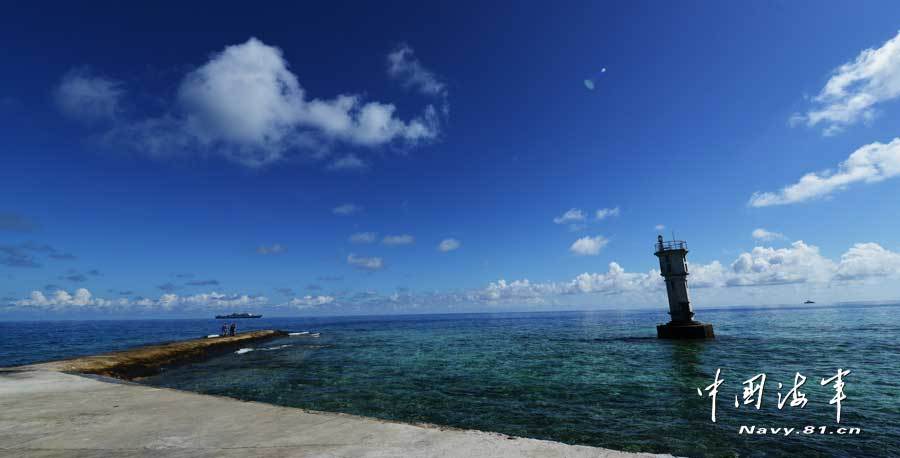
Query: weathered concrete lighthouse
column 673, row 267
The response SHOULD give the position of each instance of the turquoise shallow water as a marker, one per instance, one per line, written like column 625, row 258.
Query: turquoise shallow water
column 594, row 378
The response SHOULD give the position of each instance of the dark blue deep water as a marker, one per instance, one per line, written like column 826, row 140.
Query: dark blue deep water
column 594, row 378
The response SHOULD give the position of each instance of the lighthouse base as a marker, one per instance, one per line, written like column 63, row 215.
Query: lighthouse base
column 693, row 330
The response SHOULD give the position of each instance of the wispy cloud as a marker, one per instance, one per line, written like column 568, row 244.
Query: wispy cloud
column 203, row 283
column 16, row 223
column 25, row 254
column 395, row 240
column 310, row 301
column 604, row 213
column 168, row 287
column 363, row 237
column 573, row 215
column 577, row 219
column 76, row 277
column 62, row 256
column 17, row 256
column 82, row 300
column 348, row 163
column 449, row 245
column 275, row 248
column 404, row 66
column 87, row 97
column 764, row 235
column 346, row 209
column 855, row 88
column 364, row 263
column 869, row 164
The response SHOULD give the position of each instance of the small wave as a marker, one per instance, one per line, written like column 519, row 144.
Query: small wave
column 276, row 348
column 243, row 350
column 304, row 333
column 212, row 336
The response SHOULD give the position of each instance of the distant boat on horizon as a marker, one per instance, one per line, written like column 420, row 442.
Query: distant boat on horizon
column 237, row 315
column 808, row 302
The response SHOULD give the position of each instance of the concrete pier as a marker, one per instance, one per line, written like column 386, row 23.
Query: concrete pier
column 146, row 361
column 48, row 413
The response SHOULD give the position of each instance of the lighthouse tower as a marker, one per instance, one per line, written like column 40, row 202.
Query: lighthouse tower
column 673, row 267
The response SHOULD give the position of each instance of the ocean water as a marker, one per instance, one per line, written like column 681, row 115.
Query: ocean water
column 593, row 378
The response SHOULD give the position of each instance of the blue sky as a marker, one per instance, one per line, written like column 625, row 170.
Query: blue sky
column 180, row 159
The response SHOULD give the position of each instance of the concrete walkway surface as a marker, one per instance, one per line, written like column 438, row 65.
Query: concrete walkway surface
column 45, row 413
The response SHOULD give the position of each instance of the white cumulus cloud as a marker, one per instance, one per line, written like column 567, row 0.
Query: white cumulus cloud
column 520, row 290
column 246, row 105
column 588, row 246
column 800, row 263
column 868, row 260
column 61, row 299
column 614, row 281
column 83, row 300
column 761, row 271
column 210, row 300
column 762, row 267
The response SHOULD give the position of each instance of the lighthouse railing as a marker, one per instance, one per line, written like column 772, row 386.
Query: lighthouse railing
column 671, row 245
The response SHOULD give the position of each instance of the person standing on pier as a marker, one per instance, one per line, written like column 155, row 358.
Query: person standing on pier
column 231, row 329
column 224, row 329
